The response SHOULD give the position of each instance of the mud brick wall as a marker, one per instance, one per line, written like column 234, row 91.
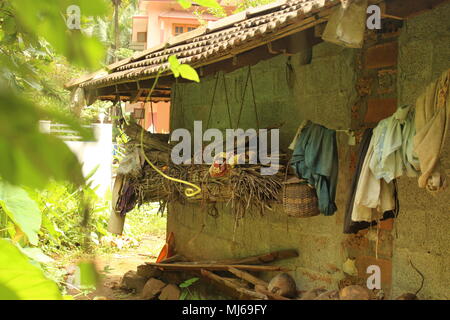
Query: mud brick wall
column 322, row 91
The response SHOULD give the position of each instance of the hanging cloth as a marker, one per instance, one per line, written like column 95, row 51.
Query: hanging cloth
column 315, row 159
column 432, row 125
column 355, row 226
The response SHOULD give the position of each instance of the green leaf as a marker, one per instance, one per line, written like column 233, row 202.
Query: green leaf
column 188, row 282
column 184, row 295
column 29, row 157
column 21, row 209
column 47, row 19
column 185, row 3
column 174, row 65
column 209, row 4
column 188, row 72
column 19, row 279
column 37, row 255
column 87, row 275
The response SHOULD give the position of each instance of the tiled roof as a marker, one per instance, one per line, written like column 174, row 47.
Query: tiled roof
column 205, row 45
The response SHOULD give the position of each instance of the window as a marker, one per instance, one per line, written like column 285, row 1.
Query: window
column 182, row 28
column 142, row 37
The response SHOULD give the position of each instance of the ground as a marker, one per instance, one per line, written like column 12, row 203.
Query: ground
column 113, row 263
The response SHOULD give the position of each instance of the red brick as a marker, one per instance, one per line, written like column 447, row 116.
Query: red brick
column 387, row 224
column 363, row 262
column 379, row 109
column 383, row 55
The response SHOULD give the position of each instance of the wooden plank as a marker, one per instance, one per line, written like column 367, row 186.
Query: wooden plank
column 257, row 259
column 214, row 267
column 248, row 277
column 227, row 285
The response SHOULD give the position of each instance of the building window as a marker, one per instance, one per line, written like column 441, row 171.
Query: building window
column 182, row 28
column 142, row 37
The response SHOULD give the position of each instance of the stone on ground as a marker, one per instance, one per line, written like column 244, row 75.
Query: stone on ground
column 132, row 281
column 152, row 288
column 170, row 292
column 148, row 272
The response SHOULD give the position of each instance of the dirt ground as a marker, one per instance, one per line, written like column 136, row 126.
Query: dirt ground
column 113, row 266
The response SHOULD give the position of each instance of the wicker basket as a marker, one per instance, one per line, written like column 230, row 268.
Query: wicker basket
column 299, row 199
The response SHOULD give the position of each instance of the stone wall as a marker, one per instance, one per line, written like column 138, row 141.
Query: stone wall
column 423, row 226
column 322, row 91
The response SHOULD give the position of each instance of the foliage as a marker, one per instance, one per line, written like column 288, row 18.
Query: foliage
column 27, row 40
column 185, row 289
column 61, row 218
column 21, row 210
column 183, row 70
column 220, row 11
column 144, row 220
column 102, row 28
column 21, row 280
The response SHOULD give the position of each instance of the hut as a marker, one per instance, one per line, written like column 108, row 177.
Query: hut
column 269, row 67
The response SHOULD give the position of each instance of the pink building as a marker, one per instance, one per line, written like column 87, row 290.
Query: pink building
column 157, row 21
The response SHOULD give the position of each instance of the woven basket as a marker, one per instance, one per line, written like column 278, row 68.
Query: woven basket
column 299, row 199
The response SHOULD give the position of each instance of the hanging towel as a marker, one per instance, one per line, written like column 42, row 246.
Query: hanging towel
column 432, row 125
column 315, row 159
column 355, row 226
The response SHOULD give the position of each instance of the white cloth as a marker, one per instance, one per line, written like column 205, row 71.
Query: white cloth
column 373, row 196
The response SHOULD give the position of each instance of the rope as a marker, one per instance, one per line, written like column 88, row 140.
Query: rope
column 212, row 101
column 254, row 98
column 226, row 98
column 249, row 77
column 242, row 100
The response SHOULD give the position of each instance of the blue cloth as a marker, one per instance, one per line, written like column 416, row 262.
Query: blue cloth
column 315, row 159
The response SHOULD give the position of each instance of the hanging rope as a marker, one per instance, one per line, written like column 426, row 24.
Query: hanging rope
column 212, row 101
column 249, row 79
column 254, row 98
column 226, row 100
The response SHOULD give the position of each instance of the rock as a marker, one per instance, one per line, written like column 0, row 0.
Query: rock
column 354, row 292
column 328, row 295
column 132, row 281
column 152, row 288
column 284, row 285
column 148, row 272
column 312, row 294
column 170, row 292
column 173, row 277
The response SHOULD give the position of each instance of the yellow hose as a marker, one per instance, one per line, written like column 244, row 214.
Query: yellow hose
column 189, row 192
